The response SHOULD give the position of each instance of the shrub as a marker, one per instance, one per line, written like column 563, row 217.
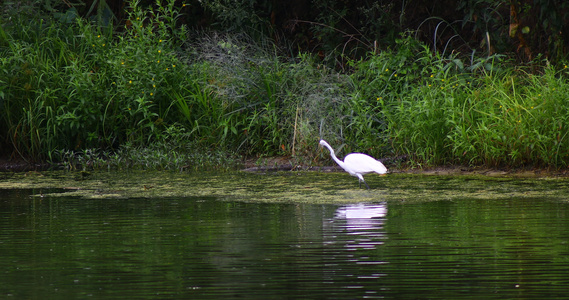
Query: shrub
column 75, row 86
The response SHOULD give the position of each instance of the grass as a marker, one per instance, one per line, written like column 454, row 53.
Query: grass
column 495, row 118
column 174, row 151
column 148, row 97
column 518, row 119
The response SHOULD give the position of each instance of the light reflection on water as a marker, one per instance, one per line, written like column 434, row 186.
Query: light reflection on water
column 204, row 248
column 361, row 223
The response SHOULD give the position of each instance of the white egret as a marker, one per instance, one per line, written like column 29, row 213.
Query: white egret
column 357, row 164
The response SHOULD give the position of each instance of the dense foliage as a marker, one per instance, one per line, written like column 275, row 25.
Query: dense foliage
column 524, row 29
column 153, row 92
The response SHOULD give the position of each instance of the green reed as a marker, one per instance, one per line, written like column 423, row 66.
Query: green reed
column 78, row 85
column 497, row 117
column 134, row 93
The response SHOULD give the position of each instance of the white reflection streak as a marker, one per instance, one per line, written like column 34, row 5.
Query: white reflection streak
column 362, row 211
column 349, row 234
column 364, row 221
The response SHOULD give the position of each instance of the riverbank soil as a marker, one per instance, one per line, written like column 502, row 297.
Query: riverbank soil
column 18, row 165
column 287, row 164
column 272, row 164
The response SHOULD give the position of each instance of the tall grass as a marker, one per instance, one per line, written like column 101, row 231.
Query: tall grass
column 516, row 119
column 492, row 116
column 148, row 91
column 78, row 85
column 247, row 97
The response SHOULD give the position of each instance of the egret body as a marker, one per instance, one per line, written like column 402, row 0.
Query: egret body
column 357, row 164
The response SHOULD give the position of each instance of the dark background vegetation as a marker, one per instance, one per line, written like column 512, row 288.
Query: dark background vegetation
column 523, row 29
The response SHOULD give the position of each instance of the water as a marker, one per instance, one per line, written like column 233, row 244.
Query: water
column 208, row 247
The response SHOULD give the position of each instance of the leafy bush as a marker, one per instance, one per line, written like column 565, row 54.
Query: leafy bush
column 81, row 86
column 173, row 150
column 249, row 99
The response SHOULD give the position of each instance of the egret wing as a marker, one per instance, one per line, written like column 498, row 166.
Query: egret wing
column 363, row 164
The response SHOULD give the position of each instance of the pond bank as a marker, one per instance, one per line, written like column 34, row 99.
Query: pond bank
column 20, row 165
column 273, row 164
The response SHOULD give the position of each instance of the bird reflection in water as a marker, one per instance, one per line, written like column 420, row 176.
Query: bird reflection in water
column 363, row 222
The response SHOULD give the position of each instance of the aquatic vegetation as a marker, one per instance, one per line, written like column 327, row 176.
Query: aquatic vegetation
column 294, row 187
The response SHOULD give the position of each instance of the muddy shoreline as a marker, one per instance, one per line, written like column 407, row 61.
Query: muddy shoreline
column 276, row 164
column 20, row 165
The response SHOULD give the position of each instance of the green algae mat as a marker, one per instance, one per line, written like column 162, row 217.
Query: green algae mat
column 296, row 187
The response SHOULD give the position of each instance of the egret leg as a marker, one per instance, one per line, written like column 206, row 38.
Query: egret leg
column 361, row 180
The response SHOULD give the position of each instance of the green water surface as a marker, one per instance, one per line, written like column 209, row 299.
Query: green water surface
column 307, row 235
